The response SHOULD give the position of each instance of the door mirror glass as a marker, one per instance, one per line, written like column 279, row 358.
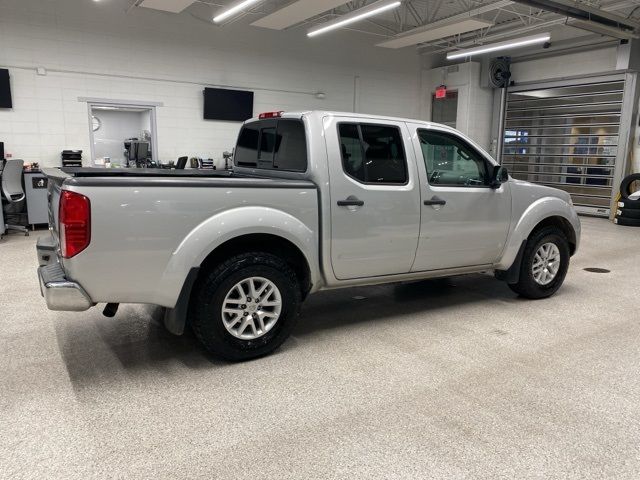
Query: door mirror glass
column 500, row 176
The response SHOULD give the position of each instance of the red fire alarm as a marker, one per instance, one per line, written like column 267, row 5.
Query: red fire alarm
column 441, row 91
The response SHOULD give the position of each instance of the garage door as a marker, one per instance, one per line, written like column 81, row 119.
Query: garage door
column 566, row 137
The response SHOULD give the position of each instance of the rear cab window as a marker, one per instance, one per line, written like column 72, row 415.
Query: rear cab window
column 274, row 144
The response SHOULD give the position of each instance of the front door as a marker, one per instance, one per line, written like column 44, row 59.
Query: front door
column 375, row 197
column 465, row 222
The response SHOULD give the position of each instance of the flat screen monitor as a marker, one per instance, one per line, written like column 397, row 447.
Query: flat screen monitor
column 229, row 105
column 5, row 89
column 142, row 151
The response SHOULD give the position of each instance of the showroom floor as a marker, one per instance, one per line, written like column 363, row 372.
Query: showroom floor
column 438, row 379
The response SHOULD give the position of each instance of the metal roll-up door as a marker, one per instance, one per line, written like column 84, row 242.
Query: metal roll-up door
column 566, row 137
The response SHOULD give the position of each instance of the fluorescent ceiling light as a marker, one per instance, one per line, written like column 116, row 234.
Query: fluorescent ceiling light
column 435, row 32
column 360, row 14
column 506, row 45
column 601, row 29
column 233, row 9
column 296, row 12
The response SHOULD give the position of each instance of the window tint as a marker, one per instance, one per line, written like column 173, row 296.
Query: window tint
column 291, row 146
column 267, row 143
column 273, row 144
column 373, row 153
column 450, row 161
column 246, row 154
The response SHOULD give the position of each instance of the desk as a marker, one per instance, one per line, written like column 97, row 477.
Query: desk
column 35, row 188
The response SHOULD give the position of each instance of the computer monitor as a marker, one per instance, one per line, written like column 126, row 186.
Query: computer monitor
column 142, row 151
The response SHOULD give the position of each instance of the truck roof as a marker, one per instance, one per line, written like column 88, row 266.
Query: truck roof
column 329, row 113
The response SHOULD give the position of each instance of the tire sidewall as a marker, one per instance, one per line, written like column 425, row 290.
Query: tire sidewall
column 560, row 242
column 628, row 204
column 628, row 213
column 210, row 327
column 626, row 183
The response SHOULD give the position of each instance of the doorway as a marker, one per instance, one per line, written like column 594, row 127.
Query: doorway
column 445, row 110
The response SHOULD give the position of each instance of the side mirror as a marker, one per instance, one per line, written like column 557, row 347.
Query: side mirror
column 500, row 176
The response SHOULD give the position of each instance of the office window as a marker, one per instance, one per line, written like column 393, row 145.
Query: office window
column 373, row 153
column 451, row 162
column 273, row 144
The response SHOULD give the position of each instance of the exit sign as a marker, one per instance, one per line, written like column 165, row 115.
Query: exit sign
column 441, row 92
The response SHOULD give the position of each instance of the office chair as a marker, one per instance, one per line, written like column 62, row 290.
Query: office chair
column 181, row 163
column 12, row 194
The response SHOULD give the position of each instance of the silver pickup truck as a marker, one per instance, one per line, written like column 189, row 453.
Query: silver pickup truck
column 316, row 201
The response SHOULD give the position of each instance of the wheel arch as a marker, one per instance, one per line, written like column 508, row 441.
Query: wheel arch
column 267, row 243
column 563, row 225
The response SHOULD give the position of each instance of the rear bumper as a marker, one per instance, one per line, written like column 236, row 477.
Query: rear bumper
column 59, row 292
column 46, row 249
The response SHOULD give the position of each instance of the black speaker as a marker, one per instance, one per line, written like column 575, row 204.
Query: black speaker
column 1, row 151
column 5, row 89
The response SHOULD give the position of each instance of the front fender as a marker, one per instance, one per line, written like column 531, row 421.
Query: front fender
column 535, row 213
column 220, row 228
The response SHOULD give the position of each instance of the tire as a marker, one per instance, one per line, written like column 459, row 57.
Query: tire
column 626, row 184
column 629, row 204
column 628, row 213
column 627, row 222
column 217, row 283
column 527, row 285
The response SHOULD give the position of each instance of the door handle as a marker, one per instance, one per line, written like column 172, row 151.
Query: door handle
column 351, row 201
column 435, row 200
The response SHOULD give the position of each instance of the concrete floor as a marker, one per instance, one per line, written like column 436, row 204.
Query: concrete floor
column 438, row 379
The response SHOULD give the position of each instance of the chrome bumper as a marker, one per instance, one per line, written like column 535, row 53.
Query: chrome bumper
column 60, row 293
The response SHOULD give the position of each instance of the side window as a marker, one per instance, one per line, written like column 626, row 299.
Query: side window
column 373, row 153
column 451, row 162
column 269, row 145
column 246, row 154
column 291, row 146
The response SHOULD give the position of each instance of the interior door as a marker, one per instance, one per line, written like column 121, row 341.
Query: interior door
column 375, row 198
column 464, row 222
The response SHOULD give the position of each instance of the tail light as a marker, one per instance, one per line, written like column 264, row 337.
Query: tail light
column 266, row 115
column 75, row 223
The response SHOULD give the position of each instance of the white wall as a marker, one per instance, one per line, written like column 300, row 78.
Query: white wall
column 94, row 49
column 582, row 63
column 475, row 103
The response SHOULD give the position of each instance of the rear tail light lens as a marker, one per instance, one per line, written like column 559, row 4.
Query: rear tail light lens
column 266, row 115
column 75, row 223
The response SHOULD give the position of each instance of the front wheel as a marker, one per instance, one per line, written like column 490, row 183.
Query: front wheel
column 245, row 307
column 544, row 264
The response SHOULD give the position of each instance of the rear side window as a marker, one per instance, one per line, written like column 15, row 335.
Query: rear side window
column 273, row 144
column 373, row 153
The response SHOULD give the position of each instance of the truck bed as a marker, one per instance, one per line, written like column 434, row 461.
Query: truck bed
column 149, row 227
column 132, row 177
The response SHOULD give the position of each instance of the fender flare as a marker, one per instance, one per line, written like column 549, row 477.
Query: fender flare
column 536, row 213
column 225, row 226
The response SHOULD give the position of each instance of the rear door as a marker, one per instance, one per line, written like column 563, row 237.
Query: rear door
column 375, row 199
column 465, row 222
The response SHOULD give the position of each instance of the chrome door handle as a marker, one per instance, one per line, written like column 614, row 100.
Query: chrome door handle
column 435, row 200
column 351, row 201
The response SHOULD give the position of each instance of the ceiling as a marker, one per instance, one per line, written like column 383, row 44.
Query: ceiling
column 432, row 26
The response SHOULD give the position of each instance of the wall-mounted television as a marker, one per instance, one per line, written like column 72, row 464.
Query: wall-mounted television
column 229, row 105
column 5, row 89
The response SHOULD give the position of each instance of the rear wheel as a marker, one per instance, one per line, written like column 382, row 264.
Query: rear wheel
column 544, row 264
column 245, row 307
